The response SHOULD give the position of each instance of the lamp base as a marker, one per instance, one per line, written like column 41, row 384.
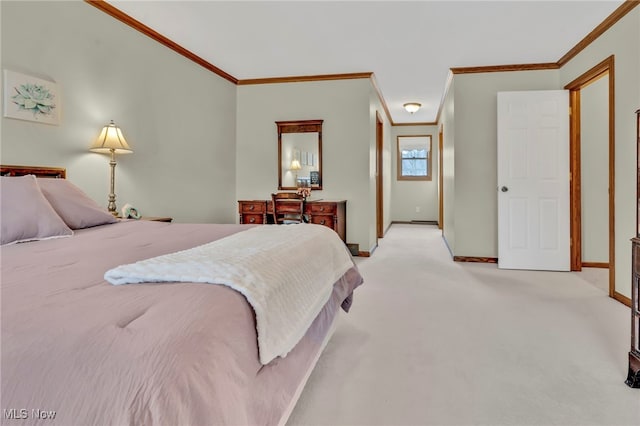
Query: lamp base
column 112, row 192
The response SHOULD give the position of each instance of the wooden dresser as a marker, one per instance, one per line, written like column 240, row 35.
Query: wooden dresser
column 332, row 214
column 633, row 378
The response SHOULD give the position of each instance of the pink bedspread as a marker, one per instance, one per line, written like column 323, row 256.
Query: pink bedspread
column 170, row 354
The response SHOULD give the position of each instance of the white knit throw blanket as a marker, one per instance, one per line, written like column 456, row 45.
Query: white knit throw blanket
column 285, row 272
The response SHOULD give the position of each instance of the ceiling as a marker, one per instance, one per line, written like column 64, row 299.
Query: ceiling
column 409, row 45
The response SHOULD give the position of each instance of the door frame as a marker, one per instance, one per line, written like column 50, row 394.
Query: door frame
column 379, row 188
column 606, row 67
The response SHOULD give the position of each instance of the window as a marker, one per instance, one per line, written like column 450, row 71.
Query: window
column 414, row 157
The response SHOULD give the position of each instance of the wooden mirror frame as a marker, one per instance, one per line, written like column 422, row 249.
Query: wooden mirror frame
column 300, row 126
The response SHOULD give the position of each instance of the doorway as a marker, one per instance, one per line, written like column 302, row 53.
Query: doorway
column 379, row 192
column 576, row 87
column 440, row 177
column 533, row 194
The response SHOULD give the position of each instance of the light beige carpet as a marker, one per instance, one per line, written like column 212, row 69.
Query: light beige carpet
column 433, row 342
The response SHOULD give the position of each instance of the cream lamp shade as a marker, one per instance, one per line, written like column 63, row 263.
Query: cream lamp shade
column 295, row 165
column 111, row 138
column 412, row 107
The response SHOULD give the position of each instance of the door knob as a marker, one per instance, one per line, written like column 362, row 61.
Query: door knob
column 504, row 189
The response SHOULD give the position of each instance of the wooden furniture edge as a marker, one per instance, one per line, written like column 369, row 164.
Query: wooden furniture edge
column 167, row 219
column 39, row 171
column 633, row 376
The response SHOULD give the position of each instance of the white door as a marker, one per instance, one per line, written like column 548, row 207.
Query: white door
column 533, row 180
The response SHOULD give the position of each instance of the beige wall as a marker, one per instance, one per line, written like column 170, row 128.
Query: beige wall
column 448, row 128
column 594, row 164
column 623, row 41
column 184, row 151
column 476, row 213
column 344, row 105
column 409, row 196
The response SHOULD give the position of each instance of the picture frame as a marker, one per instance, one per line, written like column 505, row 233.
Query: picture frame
column 30, row 98
column 314, row 177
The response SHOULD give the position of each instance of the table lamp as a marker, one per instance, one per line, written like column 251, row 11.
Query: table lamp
column 111, row 141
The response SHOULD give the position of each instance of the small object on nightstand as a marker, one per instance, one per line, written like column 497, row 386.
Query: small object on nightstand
column 157, row 218
column 128, row 211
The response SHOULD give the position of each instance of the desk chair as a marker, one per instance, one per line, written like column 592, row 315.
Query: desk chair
column 288, row 207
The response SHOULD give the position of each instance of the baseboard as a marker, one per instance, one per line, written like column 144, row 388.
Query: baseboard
column 415, row 222
column 621, row 298
column 475, row 259
column 604, row 265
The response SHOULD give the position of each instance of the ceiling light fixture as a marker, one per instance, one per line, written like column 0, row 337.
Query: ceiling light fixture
column 412, row 107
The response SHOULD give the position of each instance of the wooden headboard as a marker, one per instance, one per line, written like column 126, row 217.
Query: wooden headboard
column 41, row 172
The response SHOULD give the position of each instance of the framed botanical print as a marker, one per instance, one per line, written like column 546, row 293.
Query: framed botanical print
column 31, row 98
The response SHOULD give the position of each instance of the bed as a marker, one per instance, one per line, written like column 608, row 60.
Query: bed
column 78, row 350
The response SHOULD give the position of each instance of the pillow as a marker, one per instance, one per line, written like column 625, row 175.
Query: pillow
column 25, row 214
column 74, row 206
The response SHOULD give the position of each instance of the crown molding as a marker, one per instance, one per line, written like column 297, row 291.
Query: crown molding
column 447, row 85
column 617, row 14
column 139, row 26
column 422, row 123
column 503, row 68
column 374, row 82
column 304, row 78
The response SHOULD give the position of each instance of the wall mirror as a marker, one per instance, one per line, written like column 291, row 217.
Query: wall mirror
column 414, row 157
column 299, row 154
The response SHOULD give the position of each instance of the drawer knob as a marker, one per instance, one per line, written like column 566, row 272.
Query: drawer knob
column 322, row 222
column 251, row 207
column 252, row 220
column 321, row 208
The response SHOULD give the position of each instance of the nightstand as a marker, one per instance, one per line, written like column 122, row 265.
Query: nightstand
column 157, row 218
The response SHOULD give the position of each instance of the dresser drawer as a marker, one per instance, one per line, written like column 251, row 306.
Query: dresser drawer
column 252, row 218
column 253, row 206
column 323, row 208
column 326, row 220
column 289, row 207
